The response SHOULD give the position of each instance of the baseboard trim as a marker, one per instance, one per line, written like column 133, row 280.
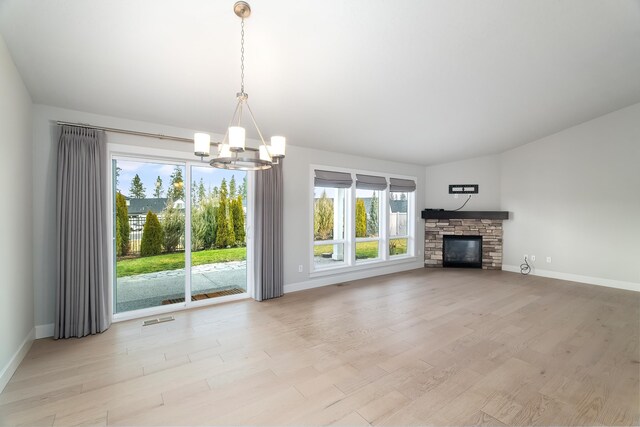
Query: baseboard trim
column 44, row 331
column 609, row 283
column 11, row 367
column 346, row 277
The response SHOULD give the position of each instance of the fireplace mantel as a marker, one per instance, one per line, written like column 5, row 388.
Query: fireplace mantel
column 440, row 214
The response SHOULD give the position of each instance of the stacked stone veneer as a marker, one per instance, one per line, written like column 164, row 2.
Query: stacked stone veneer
column 489, row 229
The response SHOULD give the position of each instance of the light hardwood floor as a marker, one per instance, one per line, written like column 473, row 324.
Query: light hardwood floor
column 434, row 347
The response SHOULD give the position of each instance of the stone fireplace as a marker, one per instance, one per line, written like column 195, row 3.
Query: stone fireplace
column 487, row 225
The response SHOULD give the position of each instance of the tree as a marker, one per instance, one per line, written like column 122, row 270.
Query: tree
column 243, row 187
column 202, row 193
column 361, row 219
column 372, row 220
column 118, row 237
column 122, row 217
column 232, row 187
column 158, row 190
column 237, row 215
column 224, row 232
column 172, row 227
column 204, row 224
column 176, row 185
column 118, row 170
column 137, row 190
column 323, row 218
column 152, row 236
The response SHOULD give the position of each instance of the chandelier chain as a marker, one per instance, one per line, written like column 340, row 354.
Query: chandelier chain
column 242, row 56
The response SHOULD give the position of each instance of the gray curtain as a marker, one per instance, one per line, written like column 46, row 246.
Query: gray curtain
column 82, row 299
column 268, row 246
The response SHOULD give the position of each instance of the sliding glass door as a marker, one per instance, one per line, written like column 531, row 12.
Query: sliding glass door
column 148, row 231
column 218, row 236
column 172, row 214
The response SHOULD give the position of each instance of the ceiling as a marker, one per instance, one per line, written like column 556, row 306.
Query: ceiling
column 414, row 81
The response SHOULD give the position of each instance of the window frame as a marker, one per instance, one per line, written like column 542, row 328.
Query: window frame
column 410, row 236
column 382, row 222
column 345, row 239
column 384, row 258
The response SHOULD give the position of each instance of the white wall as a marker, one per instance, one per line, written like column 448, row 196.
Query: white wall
column 297, row 188
column 16, row 289
column 484, row 171
column 575, row 196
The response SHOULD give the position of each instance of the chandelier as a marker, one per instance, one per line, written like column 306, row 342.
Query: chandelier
column 232, row 153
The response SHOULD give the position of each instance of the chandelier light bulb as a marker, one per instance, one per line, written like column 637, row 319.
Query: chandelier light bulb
column 264, row 153
column 236, row 138
column 224, row 150
column 278, row 145
column 202, row 144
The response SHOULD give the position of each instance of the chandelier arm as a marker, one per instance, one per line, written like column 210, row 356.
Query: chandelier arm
column 257, row 128
column 240, row 102
column 235, row 112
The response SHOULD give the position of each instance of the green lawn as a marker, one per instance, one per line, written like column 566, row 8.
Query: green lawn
column 151, row 264
column 365, row 250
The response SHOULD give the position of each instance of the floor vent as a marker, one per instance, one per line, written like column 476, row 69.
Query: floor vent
column 158, row 320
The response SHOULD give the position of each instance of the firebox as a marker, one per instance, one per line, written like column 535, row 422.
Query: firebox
column 462, row 251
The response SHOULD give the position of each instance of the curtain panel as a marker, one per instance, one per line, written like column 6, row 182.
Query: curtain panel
column 82, row 298
column 268, row 245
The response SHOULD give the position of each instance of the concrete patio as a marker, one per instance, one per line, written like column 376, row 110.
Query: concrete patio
column 149, row 290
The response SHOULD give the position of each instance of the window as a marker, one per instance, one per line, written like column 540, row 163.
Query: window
column 330, row 193
column 360, row 218
column 369, row 189
column 400, row 192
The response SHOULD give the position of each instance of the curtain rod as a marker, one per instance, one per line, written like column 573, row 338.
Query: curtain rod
column 137, row 133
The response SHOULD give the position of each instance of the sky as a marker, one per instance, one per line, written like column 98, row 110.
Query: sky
column 149, row 171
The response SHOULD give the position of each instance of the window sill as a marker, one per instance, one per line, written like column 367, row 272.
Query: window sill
column 363, row 265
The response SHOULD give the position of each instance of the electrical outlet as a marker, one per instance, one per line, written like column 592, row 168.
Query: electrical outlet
column 533, row 258
column 549, row 259
column 455, row 196
column 300, row 268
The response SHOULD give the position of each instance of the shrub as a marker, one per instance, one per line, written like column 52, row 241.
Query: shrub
column 237, row 215
column 224, row 230
column 173, row 227
column 372, row 219
column 204, row 223
column 323, row 218
column 361, row 219
column 152, row 236
column 118, row 237
column 122, row 215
